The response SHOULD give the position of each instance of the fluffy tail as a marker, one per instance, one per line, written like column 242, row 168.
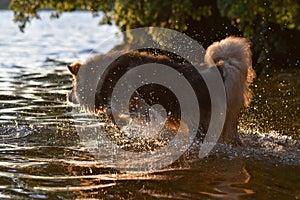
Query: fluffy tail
column 233, row 54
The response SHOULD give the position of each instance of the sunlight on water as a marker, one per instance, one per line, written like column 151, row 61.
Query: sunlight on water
column 64, row 39
column 276, row 104
column 42, row 157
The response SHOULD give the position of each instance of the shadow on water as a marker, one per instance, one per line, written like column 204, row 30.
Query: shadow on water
column 41, row 156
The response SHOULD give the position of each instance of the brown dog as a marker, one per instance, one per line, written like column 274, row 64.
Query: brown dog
column 232, row 56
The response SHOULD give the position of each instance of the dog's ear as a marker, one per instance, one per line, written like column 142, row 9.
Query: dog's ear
column 74, row 67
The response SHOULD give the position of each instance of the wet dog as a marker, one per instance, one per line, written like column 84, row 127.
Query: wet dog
column 232, row 56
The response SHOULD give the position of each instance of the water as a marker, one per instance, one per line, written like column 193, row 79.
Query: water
column 41, row 156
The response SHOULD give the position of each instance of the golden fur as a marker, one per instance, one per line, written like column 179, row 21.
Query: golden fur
column 233, row 54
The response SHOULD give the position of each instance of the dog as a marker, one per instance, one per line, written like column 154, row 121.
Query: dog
column 231, row 56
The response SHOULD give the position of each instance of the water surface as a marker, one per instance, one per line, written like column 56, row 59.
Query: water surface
column 42, row 157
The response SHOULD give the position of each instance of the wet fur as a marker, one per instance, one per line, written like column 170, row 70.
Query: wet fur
column 232, row 56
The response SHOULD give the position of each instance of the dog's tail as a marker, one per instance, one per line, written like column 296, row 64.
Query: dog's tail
column 233, row 54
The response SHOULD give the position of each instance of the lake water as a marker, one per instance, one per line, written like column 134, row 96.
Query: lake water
column 41, row 155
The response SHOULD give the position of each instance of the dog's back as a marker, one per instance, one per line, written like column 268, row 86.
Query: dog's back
column 232, row 56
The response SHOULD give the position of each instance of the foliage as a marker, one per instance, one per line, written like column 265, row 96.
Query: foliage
column 126, row 14
column 172, row 14
column 247, row 12
column 264, row 22
column 26, row 10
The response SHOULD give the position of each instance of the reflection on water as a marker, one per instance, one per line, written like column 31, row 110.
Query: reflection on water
column 41, row 156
